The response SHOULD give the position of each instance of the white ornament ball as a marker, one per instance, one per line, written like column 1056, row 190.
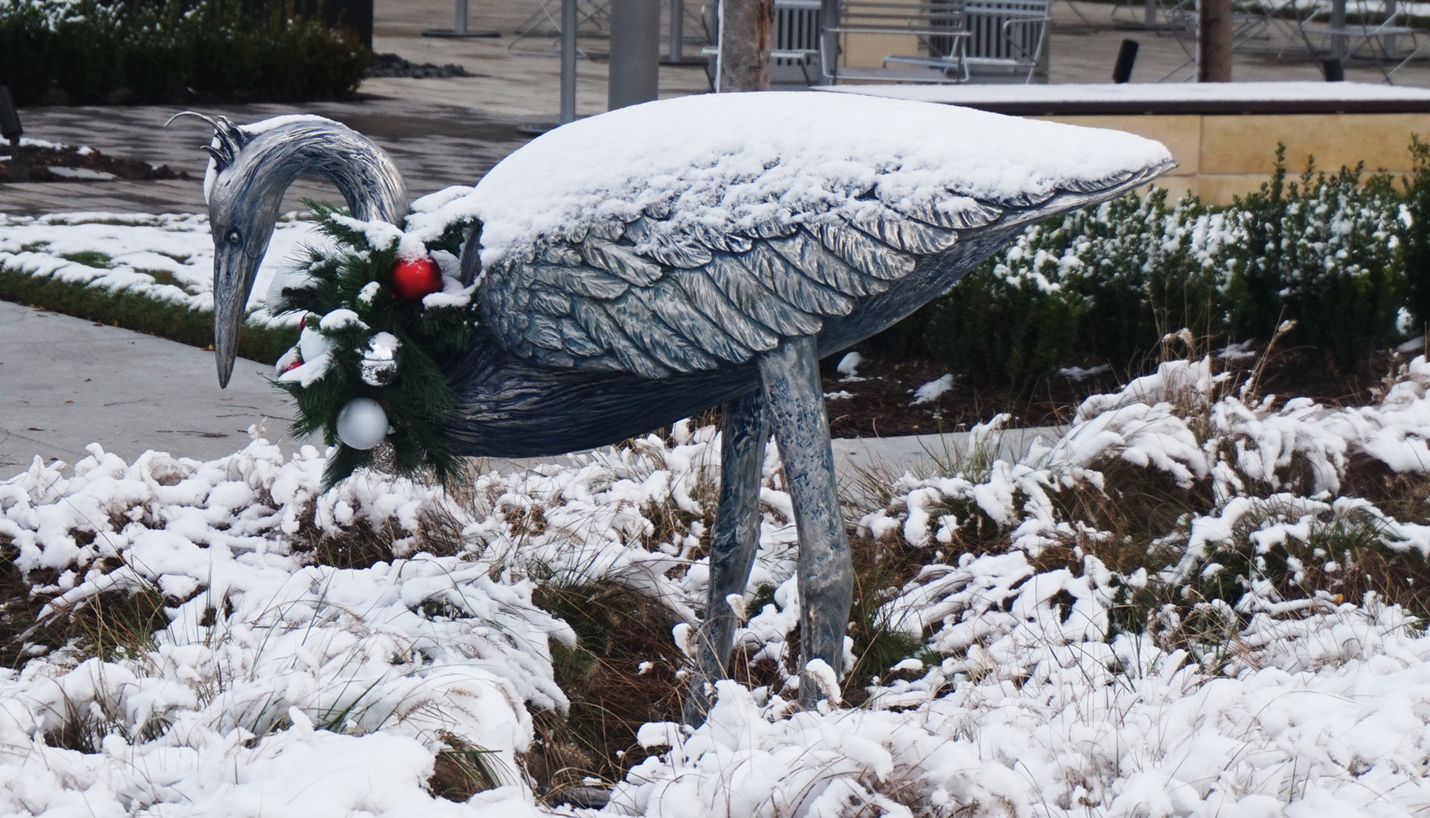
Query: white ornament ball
column 311, row 344
column 362, row 424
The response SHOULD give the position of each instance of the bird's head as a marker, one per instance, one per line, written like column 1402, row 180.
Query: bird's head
column 249, row 171
column 241, row 218
column 242, row 211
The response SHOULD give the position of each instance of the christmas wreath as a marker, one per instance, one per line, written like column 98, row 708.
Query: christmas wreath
column 380, row 314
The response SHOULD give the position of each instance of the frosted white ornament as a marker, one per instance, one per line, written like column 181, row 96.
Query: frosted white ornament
column 311, row 344
column 362, row 424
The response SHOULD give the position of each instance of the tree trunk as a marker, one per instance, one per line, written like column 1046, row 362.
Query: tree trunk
column 1214, row 41
column 746, row 36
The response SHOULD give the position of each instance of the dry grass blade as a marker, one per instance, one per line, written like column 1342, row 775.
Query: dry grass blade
column 622, row 673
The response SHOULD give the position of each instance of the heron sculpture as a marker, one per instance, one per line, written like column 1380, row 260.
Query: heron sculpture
column 644, row 265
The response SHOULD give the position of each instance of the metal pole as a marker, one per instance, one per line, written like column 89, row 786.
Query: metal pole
column 568, row 61
column 1149, row 13
column 1392, row 46
column 635, row 52
column 1338, row 29
column 828, row 41
column 459, row 26
column 676, row 51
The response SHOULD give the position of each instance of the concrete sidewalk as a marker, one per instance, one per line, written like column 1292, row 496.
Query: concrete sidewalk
column 66, row 382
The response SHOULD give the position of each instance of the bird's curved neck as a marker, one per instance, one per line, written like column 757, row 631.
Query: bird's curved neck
column 362, row 173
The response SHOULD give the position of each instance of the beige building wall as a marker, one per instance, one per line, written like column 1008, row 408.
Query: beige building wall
column 1223, row 156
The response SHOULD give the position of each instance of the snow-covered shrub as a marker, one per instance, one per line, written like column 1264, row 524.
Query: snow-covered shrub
column 1324, row 252
column 1107, row 283
column 243, row 564
column 1010, row 322
column 1148, row 267
column 254, row 638
column 1177, row 505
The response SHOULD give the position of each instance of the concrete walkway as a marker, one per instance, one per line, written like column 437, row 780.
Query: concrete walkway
column 66, row 382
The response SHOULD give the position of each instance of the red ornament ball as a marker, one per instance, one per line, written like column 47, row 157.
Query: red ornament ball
column 413, row 278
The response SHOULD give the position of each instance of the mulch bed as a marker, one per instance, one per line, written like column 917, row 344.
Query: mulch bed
column 881, row 403
column 41, row 160
column 395, row 65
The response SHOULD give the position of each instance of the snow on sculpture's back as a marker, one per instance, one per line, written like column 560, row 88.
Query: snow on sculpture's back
column 731, row 162
column 644, row 265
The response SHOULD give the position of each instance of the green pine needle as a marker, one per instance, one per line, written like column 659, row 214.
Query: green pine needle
column 418, row 402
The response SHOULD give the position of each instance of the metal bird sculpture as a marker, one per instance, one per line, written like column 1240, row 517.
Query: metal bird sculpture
column 644, row 265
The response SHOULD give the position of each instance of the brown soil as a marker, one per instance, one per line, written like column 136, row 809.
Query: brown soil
column 40, row 160
column 881, row 403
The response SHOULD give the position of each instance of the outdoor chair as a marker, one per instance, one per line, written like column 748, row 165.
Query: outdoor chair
column 939, row 33
column 1366, row 30
column 1007, row 39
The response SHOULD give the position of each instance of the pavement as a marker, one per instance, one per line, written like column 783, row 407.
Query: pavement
column 66, row 382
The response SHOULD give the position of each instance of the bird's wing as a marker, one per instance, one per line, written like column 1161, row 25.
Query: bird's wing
column 641, row 297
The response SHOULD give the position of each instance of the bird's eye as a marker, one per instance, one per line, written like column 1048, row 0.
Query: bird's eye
column 233, row 237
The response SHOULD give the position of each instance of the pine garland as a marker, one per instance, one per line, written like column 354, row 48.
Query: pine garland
column 419, row 400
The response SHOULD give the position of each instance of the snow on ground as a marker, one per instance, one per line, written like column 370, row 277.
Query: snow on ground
column 1078, row 373
column 178, row 248
column 27, row 142
column 931, row 391
column 282, row 686
column 849, row 365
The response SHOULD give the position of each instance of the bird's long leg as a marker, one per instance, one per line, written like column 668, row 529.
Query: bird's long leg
column 733, row 542
column 794, row 399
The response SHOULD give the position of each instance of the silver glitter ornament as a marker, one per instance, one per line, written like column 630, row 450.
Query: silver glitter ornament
column 384, row 457
column 380, row 360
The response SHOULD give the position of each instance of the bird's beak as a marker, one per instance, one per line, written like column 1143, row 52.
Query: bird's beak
column 234, row 271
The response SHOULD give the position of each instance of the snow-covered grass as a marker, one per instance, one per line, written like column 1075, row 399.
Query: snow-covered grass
column 1198, row 602
column 166, row 258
